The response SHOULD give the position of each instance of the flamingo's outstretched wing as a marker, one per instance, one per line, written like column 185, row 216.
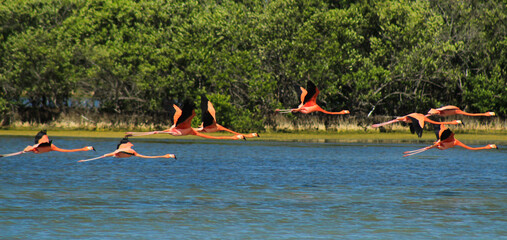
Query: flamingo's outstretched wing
column 186, row 114
column 445, row 134
column 40, row 135
column 176, row 114
column 415, row 126
column 312, row 92
column 123, row 141
column 301, row 92
column 208, row 112
column 448, row 107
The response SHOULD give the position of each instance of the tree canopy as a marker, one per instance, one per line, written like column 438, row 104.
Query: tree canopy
column 128, row 57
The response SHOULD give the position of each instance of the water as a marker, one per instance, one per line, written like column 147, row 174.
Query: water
column 252, row 190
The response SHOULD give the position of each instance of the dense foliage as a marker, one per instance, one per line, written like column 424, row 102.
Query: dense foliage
column 127, row 57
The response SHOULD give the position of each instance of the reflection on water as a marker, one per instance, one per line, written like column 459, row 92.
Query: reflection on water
column 257, row 190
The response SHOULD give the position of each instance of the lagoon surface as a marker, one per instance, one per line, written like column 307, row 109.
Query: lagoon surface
column 252, row 190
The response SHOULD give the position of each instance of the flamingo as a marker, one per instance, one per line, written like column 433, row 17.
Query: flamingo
column 43, row 145
column 445, row 140
column 453, row 110
column 209, row 123
column 124, row 150
column 309, row 102
column 416, row 121
column 182, row 124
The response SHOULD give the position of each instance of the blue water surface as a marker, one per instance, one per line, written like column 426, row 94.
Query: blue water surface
column 252, row 190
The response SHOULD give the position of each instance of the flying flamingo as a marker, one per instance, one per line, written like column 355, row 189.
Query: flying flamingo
column 124, row 150
column 209, row 123
column 309, row 102
column 182, row 124
column 43, row 145
column 416, row 121
column 453, row 110
column 445, row 140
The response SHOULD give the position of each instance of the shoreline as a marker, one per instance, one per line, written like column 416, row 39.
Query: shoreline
column 498, row 138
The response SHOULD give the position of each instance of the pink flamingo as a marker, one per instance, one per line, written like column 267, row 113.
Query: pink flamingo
column 209, row 123
column 453, row 110
column 43, row 145
column 182, row 124
column 309, row 102
column 124, row 150
column 416, row 121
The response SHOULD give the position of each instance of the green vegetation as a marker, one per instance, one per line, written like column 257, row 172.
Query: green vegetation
column 120, row 58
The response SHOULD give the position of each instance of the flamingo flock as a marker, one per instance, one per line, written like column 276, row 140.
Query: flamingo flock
column 44, row 145
column 182, row 125
column 445, row 137
column 445, row 140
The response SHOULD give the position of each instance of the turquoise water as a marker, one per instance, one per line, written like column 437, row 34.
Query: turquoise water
column 252, row 190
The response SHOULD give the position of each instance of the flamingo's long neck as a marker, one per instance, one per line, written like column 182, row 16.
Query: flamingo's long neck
column 249, row 135
column 312, row 106
column 332, row 113
column 454, row 122
column 222, row 128
column 163, row 156
column 55, row 148
column 458, row 143
column 487, row 114
column 215, row 137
